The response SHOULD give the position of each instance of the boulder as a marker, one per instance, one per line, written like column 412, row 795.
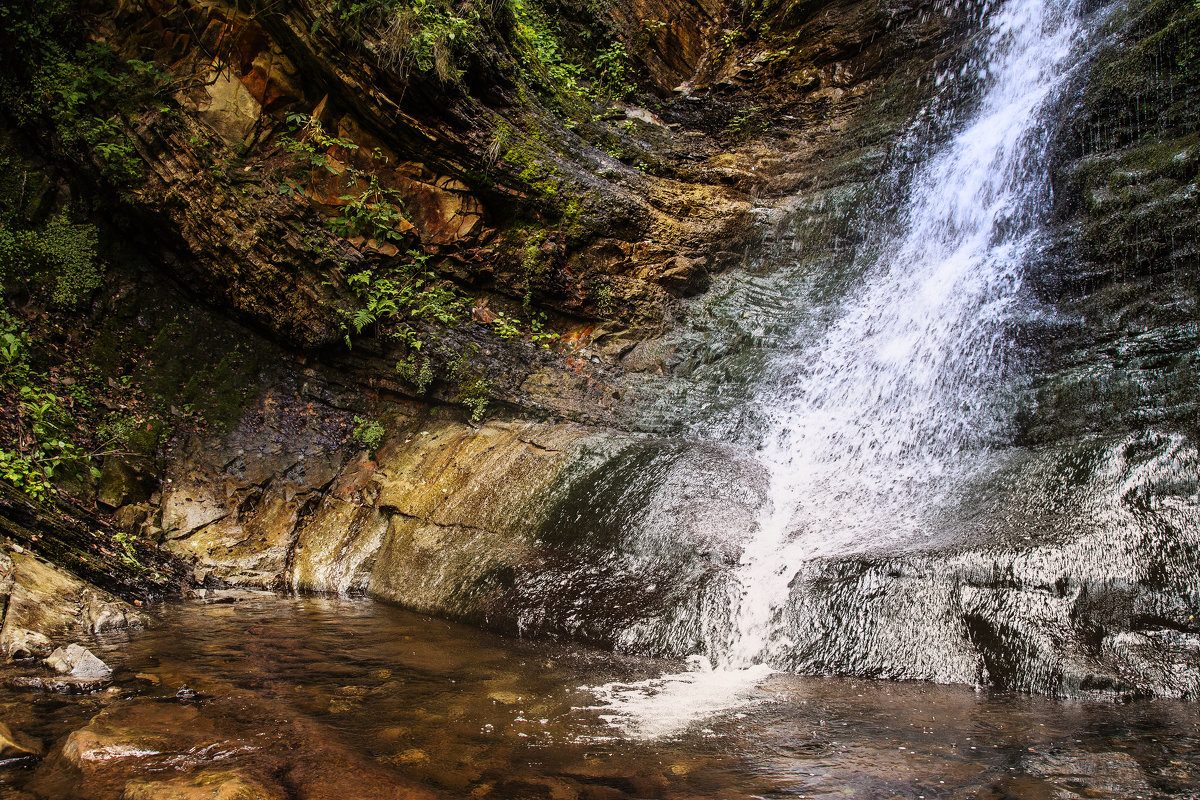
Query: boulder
column 121, row 483
column 132, row 517
column 76, row 661
column 21, row 643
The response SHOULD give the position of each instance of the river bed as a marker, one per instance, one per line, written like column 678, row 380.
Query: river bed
column 312, row 697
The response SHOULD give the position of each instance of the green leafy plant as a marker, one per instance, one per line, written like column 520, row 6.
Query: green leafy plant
column 538, row 332
column 24, row 473
column 506, row 327
column 474, row 394
column 374, row 213
column 746, row 123
column 124, row 545
column 310, row 144
column 410, row 293
column 88, row 95
column 430, row 36
column 543, row 55
column 648, row 31
column 613, row 76
column 417, row 369
column 367, row 432
column 604, row 299
column 14, row 349
column 42, row 448
column 59, row 255
column 38, row 437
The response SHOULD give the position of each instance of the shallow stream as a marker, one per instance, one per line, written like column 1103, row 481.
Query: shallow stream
column 325, row 697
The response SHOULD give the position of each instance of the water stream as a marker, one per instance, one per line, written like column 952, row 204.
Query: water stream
column 896, row 407
column 884, row 402
column 872, row 426
column 329, row 697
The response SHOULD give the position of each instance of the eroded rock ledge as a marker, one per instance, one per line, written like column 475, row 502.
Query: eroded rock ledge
column 635, row 224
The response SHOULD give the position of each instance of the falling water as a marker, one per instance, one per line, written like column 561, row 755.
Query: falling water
column 899, row 402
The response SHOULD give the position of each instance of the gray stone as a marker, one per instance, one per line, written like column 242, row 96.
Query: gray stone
column 76, row 661
column 18, row 643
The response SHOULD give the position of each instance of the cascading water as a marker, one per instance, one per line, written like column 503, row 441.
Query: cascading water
column 895, row 407
column 884, row 419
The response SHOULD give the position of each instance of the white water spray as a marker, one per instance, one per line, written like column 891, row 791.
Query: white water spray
column 895, row 407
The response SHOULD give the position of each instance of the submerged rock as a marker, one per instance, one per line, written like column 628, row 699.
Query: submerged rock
column 79, row 671
column 14, row 744
column 154, row 749
column 217, row 785
column 76, row 661
column 61, row 685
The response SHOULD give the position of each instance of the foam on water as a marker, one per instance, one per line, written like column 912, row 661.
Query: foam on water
column 663, row 707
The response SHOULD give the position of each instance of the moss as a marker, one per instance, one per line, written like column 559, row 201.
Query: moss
column 203, row 369
column 48, row 252
column 535, row 164
column 1147, row 83
column 181, row 360
column 1138, row 209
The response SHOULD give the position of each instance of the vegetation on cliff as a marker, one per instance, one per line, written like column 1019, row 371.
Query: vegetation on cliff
column 298, row 231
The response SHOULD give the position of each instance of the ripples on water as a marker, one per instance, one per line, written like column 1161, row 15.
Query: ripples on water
column 361, row 695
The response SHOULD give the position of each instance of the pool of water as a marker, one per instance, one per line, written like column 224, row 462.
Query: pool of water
column 320, row 697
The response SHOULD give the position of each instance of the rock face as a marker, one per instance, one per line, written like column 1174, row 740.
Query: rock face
column 653, row 235
column 371, row 524
column 44, row 604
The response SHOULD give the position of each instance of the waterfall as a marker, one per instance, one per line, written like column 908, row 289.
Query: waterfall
column 899, row 403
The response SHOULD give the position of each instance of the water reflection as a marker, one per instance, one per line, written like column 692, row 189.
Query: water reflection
column 314, row 695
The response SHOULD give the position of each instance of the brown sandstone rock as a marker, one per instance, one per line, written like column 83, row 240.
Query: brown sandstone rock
column 14, row 744
column 205, row 785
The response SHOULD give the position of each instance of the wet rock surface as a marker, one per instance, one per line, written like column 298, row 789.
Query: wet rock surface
column 160, row 747
column 14, row 744
column 45, row 604
column 583, row 529
column 207, row 785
